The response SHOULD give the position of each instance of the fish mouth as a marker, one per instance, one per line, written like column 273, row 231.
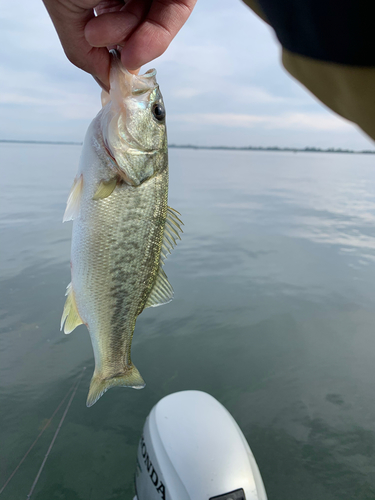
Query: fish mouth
column 135, row 85
column 145, row 78
column 116, row 61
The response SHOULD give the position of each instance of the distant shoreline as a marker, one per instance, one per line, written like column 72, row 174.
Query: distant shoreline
column 274, row 149
column 63, row 143
column 222, row 148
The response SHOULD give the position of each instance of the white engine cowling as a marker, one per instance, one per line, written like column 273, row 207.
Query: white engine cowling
column 193, row 449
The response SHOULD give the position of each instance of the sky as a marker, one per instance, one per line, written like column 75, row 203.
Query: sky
column 221, row 78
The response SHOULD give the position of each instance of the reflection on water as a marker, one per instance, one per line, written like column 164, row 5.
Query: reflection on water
column 273, row 315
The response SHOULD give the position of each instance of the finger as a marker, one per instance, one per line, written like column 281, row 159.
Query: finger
column 133, row 71
column 155, row 33
column 69, row 23
column 110, row 29
column 113, row 27
column 109, row 6
column 101, row 84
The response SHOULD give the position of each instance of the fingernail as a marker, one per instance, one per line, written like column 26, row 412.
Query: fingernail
column 102, row 85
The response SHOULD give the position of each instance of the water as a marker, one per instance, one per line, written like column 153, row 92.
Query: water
column 273, row 315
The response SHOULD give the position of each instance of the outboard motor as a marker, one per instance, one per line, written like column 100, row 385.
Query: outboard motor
column 193, row 449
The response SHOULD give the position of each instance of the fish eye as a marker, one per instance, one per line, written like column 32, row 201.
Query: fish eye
column 159, row 112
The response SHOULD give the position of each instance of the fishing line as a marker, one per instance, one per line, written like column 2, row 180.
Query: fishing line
column 39, row 435
column 56, row 433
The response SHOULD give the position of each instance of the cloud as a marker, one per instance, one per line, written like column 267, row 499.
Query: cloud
column 31, row 90
column 298, row 121
column 252, row 93
column 243, row 94
column 221, row 78
column 187, row 92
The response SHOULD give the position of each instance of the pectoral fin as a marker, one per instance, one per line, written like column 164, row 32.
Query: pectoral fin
column 74, row 200
column 70, row 318
column 105, row 189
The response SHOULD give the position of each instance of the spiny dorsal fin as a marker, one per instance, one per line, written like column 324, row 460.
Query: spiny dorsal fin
column 74, row 200
column 172, row 230
column 105, row 188
column 162, row 291
column 70, row 315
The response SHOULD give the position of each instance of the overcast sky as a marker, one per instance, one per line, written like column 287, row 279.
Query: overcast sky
column 221, row 78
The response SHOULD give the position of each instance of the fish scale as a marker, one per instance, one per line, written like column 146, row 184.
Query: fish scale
column 131, row 246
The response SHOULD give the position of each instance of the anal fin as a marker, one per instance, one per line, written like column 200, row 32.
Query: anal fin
column 162, row 291
column 70, row 318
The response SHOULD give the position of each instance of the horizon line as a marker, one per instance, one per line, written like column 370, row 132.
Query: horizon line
column 306, row 149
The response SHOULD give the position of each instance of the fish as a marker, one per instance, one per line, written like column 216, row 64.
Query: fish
column 123, row 228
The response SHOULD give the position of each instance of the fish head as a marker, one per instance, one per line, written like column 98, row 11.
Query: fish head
column 133, row 123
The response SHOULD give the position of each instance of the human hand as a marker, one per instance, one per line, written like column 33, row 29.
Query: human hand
column 142, row 29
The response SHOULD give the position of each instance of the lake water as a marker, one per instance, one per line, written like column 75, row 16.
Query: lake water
column 273, row 315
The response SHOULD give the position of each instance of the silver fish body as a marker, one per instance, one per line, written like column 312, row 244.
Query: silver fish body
column 122, row 226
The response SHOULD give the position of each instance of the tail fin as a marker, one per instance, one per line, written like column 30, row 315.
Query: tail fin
column 99, row 385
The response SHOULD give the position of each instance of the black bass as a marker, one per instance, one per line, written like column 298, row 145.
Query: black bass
column 123, row 228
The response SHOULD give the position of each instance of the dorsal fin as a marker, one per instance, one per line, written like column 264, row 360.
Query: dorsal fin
column 162, row 291
column 70, row 318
